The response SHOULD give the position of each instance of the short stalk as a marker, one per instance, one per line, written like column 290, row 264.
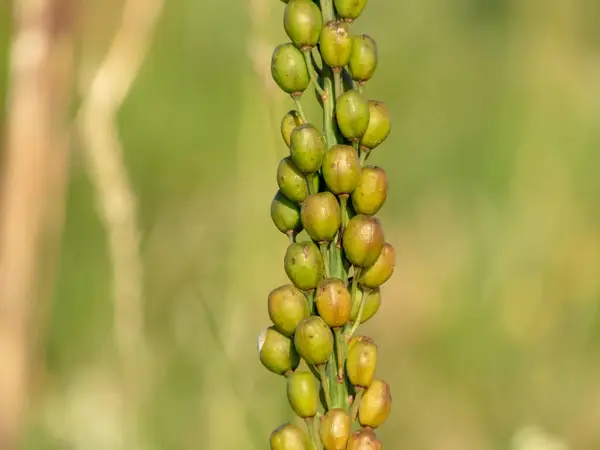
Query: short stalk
column 325, row 386
column 312, row 179
column 361, row 309
column 339, row 87
column 310, row 425
column 310, row 298
column 356, row 404
column 314, row 76
column 344, row 210
column 299, row 108
column 324, row 246
column 339, row 343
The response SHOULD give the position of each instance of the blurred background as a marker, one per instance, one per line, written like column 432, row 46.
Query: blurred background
column 489, row 330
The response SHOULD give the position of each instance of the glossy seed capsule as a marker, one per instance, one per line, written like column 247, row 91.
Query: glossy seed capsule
column 303, row 394
column 375, row 405
column 371, row 191
column 352, row 114
column 364, row 439
column 307, row 148
column 363, row 58
column 363, row 240
column 350, row 9
column 302, row 22
column 334, row 302
column 277, row 352
column 372, row 304
column 321, row 216
column 361, row 362
column 336, row 44
column 335, row 429
column 379, row 126
column 313, row 340
column 289, row 437
column 289, row 70
column 341, row 169
column 304, row 265
column 291, row 120
column 287, row 306
column 285, row 214
column 291, row 181
column 381, row 271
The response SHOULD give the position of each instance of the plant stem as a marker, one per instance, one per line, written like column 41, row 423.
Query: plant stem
column 355, row 281
column 314, row 77
column 339, row 343
column 361, row 308
column 339, row 87
column 325, row 386
column 312, row 179
column 310, row 297
column 327, row 10
column 310, row 425
column 344, row 208
column 299, row 108
column 324, row 246
column 356, row 404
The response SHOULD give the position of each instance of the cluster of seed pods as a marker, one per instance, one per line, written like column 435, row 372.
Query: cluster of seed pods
column 337, row 257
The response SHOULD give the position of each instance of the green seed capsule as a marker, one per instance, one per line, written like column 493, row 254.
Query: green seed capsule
column 372, row 304
column 371, row 192
column 363, row 240
column 335, row 429
column 321, row 216
column 375, row 405
column 363, row 59
column 333, row 302
column 289, row 70
column 313, row 340
column 350, row 9
column 285, row 214
column 377, row 274
column 287, row 306
column 352, row 114
column 336, row 44
column 303, row 265
column 277, row 352
column 341, row 169
column 289, row 437
column 307, row 148
column 292, row 183
column 290, row 121
column 302, row 22
column 303, row 394
column 361, row 362
column 364, row 439
column 379, row 127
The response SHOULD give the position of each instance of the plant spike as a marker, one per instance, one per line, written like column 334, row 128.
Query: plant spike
column 328, row 193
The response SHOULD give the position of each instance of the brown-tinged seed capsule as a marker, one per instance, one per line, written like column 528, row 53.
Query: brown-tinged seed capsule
column 313, row 340
column 341, row 169
column 372, row 303
column 302, row 22
column 377, row 274
column 307, row 148
column 364, row 439
column 335, row 429
column 287, row 306
column 321, row 216
column 352, row 114
column 363, row 240
column 289, row 437
column 361, row 362
column 336, row 44
column 291, row 181
column 371, row 192
column 285, row 214
column 277, row 352
column 289, row 70
column 333, row 302
column 350, row 9
column 379, row 126
column 304, row 265
column 363, row 59
column 375, row 405
column 290, row 121
column 303, row 394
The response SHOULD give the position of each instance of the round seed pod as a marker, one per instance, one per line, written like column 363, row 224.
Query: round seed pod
column 291, row 120
column 277, row 352
column 350, row 9
column 377, row 274
column 371, row 191
column 363, row 240
column 304, row 265
column 361, row 362
column 285, row 214
column 352, row 114
column 292, row 183
column 289, row 70
column 334, row 302
column 364, row 439
column 287, row 306
column 336, row 44
column 302, row 22
column 379, row 126
column 375, row 405
column 289, row 437
column 303, row 394
column 313, row 340
column 335, row 429
column 341, row 169
column 321, row 216
column 363, row 58
column 372, row 304
column 307, row 148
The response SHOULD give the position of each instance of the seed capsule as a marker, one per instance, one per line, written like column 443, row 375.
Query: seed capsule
column 321, row 216
column 277, row 352
column 334, row 302
column 289, row 437
column 335, row 429
column 377, row 274
column 362, row 362
column 364, row 439
column 303, row 394
column 379, row 127
column 371, row 192
column 303, row 265
column 307, row 148
column 375, row 405
column 287, row 307
column 336, row 44
column 341, row 169
column 290, row 121
column 285, row 214
column 289, row 70
column 363, row 240
column 313, row 340
column 372, row 303
column 302, row 22
column 350, row 9
column 352, row 114
column 363, row 59
column 292, row 183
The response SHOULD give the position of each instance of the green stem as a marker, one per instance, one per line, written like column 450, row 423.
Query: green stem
column 324, row 246
column 299, row 108
column 339, row 87
column 327, row 10
column 312, row 179
column 339, row 342
column 314, row 77
column 355, row 404
column 310, row 425
column 361, row 308
column 325, row 386
column 344, row 209
column 310, row 297
column 355, row 281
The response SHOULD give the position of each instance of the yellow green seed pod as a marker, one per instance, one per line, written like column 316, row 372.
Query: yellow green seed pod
column 289, row 70
column 289, row 437
column 371, row 191
column 336, row 44
column 361, row 362
column 321, row 216
column 372, row 303
column 302, row 22
column 363, row 240
column 352, row 114
column 313, row 340
column 335, row 429
column 375, row 405
column 364, row 439
column 303, row 264
column 341, row 169
column 363, row 58
column 379, row 126
column 291, row 120
column 303, row 394
column 287, row 306
column 381, row 271
column 277, row 352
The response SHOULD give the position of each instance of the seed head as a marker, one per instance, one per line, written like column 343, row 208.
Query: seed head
column 289, row 69
column 303, row 394
column 287, row 307
column 292, row 183
column 277, row 352
column 302, row 22
column 307, row 148
column 377, row 274
column 352, row 114
column 321, row 216
column 379, row 126
column 289, row 437
column 313, row 340
column 333, row 302
column 375, row 405
column 371, row 191
column 285, row 214
column 363, row 58
column 341, row 169
column 336, row 44
column 350, row 9
column 363, row 240
column 335, row 429
column 361, row 362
